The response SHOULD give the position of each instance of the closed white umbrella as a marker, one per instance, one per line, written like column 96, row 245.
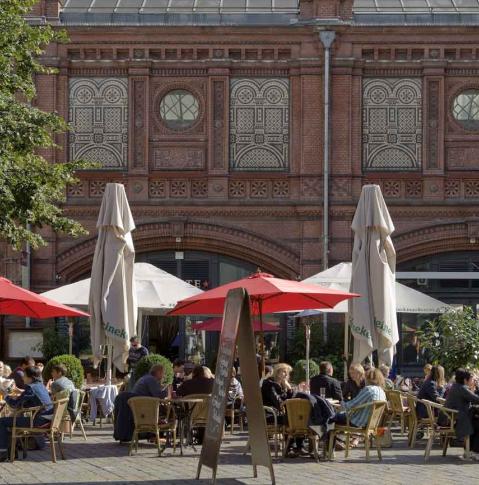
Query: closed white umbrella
column 112, row 301
column 373, row 319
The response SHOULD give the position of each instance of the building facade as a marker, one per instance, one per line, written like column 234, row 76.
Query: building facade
column 213, row 114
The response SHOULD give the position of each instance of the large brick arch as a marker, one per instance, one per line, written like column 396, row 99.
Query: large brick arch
column 193, row 236
column 438, row 238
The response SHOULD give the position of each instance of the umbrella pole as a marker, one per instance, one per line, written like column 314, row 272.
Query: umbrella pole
column 262, row 364
column 109, row 359
column 307, row 328
column 346, row 345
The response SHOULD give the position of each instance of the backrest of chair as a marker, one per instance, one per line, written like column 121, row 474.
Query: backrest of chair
column 145, row 410
column 430, row 411
column 298, row 412
column 199, row 412
column 65, row 394
column 395, row 401
column 412, row 405
column 59, row 410
column 377, row 411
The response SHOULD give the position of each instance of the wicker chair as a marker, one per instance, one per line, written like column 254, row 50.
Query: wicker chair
column 397, row 409
column 52, row 431
column 274, row 430
column 371, row 430
column 415, row 423
column 235, row 412
column 152, row 415
column 199, row 413
column 298, row 412
column 444, row 432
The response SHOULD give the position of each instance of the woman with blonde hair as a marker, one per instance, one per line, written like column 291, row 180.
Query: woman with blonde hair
column 372, row 391
column 355, row 382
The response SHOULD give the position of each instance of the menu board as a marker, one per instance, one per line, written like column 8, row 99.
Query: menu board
column 236, row 322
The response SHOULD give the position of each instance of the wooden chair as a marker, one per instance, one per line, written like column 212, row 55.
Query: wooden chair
column 274, row 430
column 152, row 415
column 415, row 423
column 52, row 430
column 397, row 409
column 371, row 430
column 298, row 412
column 199, row 413
column 77, row 415
column 236, row 412
column 445, row 432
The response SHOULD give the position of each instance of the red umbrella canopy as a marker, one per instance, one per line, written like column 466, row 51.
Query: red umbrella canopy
column 15, row 300
column 216, row 324
column 267, row 294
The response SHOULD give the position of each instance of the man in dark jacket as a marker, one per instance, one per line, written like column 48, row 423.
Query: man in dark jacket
column 35, row 394
column 326, row 381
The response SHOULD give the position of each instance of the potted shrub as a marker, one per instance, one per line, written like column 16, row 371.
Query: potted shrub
column 73, row 365
column 144, row 365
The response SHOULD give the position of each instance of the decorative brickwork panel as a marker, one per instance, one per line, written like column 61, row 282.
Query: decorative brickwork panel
column 471, row 189
column 259, row 189
column 433, row 124
column 463, row 158
column 452, row 189
column 219, row 142
column 157, row 189
column 392, row 124
column 139, row 123
column 174, row 157
column 199, row 188
column 259, row 124
column 98, row 115
column 281, row 189
column 237, row 189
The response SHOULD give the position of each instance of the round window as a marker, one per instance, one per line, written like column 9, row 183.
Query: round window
column 179, row 109
column 466, row 109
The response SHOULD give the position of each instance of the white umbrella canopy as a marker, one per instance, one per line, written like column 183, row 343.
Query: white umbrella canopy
column 408, row 300
column 112, row 300
column 157, row 291
column 373, row 318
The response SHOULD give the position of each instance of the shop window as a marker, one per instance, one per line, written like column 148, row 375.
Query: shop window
column 466, row 109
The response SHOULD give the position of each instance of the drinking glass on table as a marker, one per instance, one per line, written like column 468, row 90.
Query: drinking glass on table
column 322, row 392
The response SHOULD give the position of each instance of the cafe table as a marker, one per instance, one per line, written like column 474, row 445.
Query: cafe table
column 184, row 406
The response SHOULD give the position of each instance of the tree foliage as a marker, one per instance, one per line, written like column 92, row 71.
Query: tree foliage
column 31, row 189
column 145, row 363
column 452, row 340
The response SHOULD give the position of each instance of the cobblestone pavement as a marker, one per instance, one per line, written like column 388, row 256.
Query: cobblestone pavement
column 100, row 459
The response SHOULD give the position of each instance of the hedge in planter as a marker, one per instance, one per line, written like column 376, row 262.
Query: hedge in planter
column 144, row 365
column 299, row 371
column 73, row 365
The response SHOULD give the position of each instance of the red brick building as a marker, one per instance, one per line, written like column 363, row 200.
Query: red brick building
column 213, row 115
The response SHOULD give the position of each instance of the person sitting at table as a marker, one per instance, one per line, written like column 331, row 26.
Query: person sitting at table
column 35, row 394
column 201, row 382
column 151, row 385
column 461, row 397
column 388, row 383
column 432, row 388
column 355, row 382
column 60, row 381
column 18, row 374
column 372, row 391
column 326, row 381
column 178, row 373
column 235, row 390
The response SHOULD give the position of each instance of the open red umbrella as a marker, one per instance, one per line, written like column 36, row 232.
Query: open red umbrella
column 18, row 301
column 267, row 294
column 216, row 324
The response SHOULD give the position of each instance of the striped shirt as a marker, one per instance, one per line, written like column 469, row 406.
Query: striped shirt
column 367, row 394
